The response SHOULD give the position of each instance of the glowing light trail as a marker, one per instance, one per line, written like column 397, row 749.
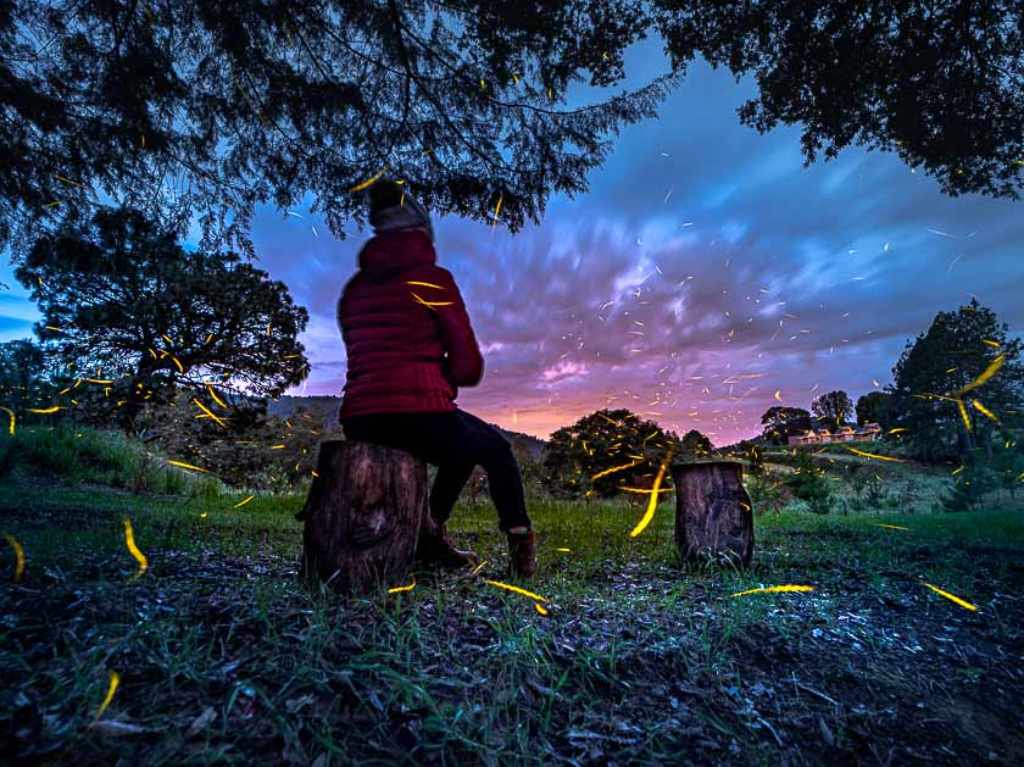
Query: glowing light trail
column 517, row 590
column 115, row 681
column 652, row 504
column 129, row 541
column 874, row 456
column 773, row 590
column 19, row 556
column 951, row 597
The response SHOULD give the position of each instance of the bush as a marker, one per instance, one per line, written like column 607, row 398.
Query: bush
column 971, row 483
column 809, row 483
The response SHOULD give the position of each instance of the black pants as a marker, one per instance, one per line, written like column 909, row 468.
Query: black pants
column 456, row 443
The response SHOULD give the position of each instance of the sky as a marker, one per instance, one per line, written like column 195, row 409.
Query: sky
column 706, row 276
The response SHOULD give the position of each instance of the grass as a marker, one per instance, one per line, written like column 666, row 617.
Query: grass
column 80, row 455
column 224, row 659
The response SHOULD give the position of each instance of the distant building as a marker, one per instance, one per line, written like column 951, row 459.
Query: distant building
column 868, row 432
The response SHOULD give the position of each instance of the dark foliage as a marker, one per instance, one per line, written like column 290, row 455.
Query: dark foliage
column 780, row 422
column 833, row 408
column 810, row 483
column 132, row 316
column 938, row 365
column 604, row 440
column 941, row 84
column 875, row 407
column 229, row 104
column 237, row 103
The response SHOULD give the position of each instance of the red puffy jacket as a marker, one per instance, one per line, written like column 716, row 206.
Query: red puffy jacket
column 403, row 355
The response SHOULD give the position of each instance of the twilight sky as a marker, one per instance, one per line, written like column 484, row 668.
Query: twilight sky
column 705, row 270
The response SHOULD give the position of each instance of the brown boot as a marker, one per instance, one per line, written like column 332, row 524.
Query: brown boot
column 435, row 546
column 522, row 550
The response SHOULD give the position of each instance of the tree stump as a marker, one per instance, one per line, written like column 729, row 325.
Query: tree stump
column 714, row 516
column 362, row 517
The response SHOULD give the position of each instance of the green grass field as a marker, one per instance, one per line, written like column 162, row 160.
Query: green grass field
column 224, row 659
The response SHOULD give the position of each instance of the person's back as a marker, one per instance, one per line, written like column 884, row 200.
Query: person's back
column 410, row 346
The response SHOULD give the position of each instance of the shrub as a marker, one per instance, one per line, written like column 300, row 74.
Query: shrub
column 809, row 483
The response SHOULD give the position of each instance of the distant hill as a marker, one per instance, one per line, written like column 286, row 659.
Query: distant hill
column 325, row 409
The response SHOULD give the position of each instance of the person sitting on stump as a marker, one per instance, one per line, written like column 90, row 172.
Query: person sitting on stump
column 410, row 347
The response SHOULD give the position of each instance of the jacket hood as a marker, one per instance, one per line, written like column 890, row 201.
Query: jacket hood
column 391, row 253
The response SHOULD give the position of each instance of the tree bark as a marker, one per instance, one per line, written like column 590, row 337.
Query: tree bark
column 714, row 516
column 362, row 517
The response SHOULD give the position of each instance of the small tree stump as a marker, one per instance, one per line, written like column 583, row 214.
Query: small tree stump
column 714, row 516
column 362, row 517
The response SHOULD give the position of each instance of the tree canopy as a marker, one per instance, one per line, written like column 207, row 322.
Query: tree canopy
column 129, row 311
column 780, row 422
column 206, row 108
column 833, row 407
column 606, row 451
column 958, row 382
column 874, row 407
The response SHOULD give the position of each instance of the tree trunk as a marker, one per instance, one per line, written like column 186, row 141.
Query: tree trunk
column 362, row 517
column 714, row 516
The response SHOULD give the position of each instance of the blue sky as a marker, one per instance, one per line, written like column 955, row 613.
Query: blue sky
column 705, row 270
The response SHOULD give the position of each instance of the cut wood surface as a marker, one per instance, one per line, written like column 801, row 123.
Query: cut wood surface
column 362, row 517
column 714, row 516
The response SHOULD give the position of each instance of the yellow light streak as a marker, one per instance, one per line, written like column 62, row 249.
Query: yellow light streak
column 244, row 501
column 115, row 681
column 19, row 556
column 101, row 381
column 963, row 414
column 11, row 419
column 424, row 284
column 990, row 342
column 129, row 541
column 643, row 489
column 986, row 374
column 44, row 410
column 478, row 568
column 984, row 410
column 366, row 184
column 564, row 551
column 167, row 338
column 951, row 597
column 190, row 467
column 517, row 590
column 540, row 609
column 53, row 328
column 773, row 590
column 874, row 456
column 177, row 362
column 400, row 589
column 279, row 447
column 209, row 413
column 497, row 209
column 898, row 430
column 214, row 397
column 430, row 304
column 152, row 352
column 652, row 504
column 890, row 527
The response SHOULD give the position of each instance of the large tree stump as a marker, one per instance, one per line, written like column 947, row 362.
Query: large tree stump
column 362, row 517
column 714, row 516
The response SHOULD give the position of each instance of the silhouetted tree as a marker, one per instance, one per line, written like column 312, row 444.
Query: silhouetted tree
column 780, row 422
column 608, row 439
column 695, row 445
column 246, row 101
column 941, row 84
column 135, row 315
column 237, row 103
column 936, row 368
column 22, row 375
column 874, row 407
column 833, row 408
